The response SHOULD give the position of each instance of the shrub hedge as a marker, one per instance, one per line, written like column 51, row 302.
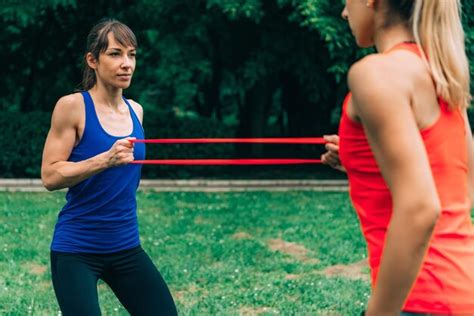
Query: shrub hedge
column 23, row 136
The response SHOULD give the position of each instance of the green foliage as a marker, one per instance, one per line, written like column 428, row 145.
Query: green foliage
column 24, row 13
column 235, row 9
column 324, row 17
column 189, row 53
column 264, row 68
column 22, row 143
column 167, row 125
column 181, row 42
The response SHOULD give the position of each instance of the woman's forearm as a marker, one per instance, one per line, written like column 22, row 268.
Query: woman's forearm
column 406, row 243
column 65, row 174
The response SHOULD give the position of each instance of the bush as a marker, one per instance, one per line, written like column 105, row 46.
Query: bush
column 22, row 143
column 167, row 125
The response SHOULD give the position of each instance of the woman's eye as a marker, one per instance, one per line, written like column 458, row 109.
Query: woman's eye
column 114, row 54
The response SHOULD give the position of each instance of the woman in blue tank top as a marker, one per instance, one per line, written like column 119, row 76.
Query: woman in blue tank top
column 88, row 151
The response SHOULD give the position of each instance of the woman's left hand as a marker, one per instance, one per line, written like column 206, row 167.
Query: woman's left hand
column 331, row 157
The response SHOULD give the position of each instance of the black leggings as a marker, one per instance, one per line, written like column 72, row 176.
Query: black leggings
column 131, row 275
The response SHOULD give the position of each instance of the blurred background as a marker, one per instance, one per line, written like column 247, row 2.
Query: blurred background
column 205, row 68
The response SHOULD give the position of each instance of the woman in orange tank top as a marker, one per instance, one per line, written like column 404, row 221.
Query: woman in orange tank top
column 406, row 145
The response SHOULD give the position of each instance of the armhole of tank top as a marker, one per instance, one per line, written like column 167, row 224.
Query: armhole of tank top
column 442, row 109
column 347, row 99
column 134, row 116
column 443, row 106
column 349, row 119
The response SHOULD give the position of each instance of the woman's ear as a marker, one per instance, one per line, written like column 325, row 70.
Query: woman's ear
column 91, row 61
column 370, row 4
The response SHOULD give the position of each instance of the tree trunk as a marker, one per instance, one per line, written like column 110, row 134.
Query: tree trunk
column 211, row 90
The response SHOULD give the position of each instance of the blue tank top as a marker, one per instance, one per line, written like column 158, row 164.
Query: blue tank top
column 100, row 213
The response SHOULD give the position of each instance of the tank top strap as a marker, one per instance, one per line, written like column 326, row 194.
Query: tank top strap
column 346, row 101
column 92, row 121
column 415, row 49
column 88, row 103
column 137, row 126
column 409, row 46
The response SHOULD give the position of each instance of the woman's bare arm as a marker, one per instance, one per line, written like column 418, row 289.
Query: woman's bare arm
column 382, row 104
column 56, row 171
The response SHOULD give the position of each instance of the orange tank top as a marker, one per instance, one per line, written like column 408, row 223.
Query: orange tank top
column 445, row 284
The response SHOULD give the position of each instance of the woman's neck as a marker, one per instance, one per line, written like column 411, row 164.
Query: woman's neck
column 386, row 38
column 107, row 96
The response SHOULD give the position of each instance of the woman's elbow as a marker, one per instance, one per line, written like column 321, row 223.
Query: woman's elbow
column 48, row 185
column 48, row 182
column 426, row 215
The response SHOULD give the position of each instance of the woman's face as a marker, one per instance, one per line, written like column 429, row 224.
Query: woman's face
column 360, row 15
column 116, row 64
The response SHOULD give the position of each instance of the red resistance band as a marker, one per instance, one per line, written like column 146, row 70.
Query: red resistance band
column 289, row 161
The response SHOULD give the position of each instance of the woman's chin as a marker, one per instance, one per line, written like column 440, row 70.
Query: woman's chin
column 123, row 85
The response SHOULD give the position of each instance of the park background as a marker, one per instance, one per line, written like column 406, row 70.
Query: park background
column 205, row 68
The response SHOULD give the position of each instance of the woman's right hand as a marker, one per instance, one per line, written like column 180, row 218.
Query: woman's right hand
column 121, row 153
column 331, row 157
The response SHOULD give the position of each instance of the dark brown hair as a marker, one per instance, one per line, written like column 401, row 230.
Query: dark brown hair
column 97, row 42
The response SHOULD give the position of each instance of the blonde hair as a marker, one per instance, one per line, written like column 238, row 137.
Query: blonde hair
column 438, row 30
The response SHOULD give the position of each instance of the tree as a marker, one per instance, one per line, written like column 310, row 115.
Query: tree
column 265, row 68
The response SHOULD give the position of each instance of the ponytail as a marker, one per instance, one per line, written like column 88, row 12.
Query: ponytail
column 88, row 77
column 438, row 29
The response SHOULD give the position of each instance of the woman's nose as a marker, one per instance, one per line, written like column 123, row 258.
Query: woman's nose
column 127, row 62
column 345, row 14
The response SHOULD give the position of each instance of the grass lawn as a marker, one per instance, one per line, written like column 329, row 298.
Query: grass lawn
column 252, row 253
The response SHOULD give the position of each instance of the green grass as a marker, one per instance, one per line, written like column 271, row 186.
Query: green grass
column 220, row 253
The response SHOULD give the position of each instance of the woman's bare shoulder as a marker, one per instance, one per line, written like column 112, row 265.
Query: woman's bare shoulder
column 395, row 73
column 69, row 109
column 70, row 101
column 137, row 108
